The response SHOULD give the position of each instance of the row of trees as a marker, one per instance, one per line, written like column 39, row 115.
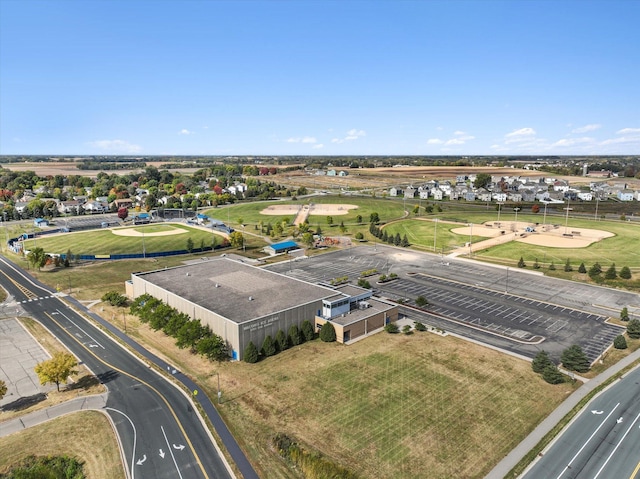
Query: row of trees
column 594, row 272
column 189, row 333
column 281, row 342
column 385, row 237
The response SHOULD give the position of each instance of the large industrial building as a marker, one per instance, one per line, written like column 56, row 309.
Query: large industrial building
column 243, row 303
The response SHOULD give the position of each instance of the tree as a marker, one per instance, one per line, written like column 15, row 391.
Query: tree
column 236, row 239
column 190, row 333
column 282, row 342
column 574, row 359
column 536, row 265
column 552, row 267
column 3, row 389
column 213, row 347
column 419, row 326
column 482, row 180
column 359, row 236
column 521, row 263
column 295, row 336
column 114, row 298
column 190, row 244
column 633, row 329
column 67, row 258
column 329, row 220
column 307, row 239
column 57, row 369
column 343, row 228
column 251, row 353
column 374, row 218
column 625, row 272
column 535, row 209
column 405, row 241
column 123, row 213
column 567, row 266
column 582, row 269
column 391, row 328
column 552, row 375
column 541, row 361
column 624, row 314
column 37, row 257
column 327, row 333
column 359, row 219
column 611, row 272
column 620, row 342
column 595, row 270
column 421, row 301
column 268, row 346
column 307, row 330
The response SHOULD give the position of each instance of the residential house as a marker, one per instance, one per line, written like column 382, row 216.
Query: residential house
column 515, row 197
column 93, row 207
column 343, row 173
column 499, row 196
column 40, row 223
column 68, row 207
column 395, row 191
column 438, row 194
column 410, row 192
column 585, row 196
column 528, row 194
column 482, row 194
column 626, row 195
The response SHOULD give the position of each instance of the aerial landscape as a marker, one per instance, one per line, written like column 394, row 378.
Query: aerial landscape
column 307, row 240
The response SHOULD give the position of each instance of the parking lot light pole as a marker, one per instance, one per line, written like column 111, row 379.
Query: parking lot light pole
column 470, row 235
column 435, row 234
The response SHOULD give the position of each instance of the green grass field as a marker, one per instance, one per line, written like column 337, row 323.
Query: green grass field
column 103, row 241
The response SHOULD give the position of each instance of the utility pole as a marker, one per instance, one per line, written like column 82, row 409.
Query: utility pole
column 435, row 233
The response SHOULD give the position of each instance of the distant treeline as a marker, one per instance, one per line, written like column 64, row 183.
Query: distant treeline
column 111, row 165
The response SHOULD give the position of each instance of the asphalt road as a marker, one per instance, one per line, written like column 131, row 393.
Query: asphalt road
column 161, row 434
column 602, row 442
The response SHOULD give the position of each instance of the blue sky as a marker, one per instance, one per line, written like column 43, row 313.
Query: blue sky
column 475, row 77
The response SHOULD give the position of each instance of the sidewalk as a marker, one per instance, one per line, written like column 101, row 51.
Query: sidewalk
column 43, row 415
column 510, row 461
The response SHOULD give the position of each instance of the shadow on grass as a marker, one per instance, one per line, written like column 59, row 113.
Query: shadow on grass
column 84, row 383
column 24, row 402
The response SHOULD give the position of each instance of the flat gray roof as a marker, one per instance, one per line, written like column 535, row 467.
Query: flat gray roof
column 355, row 315
column 236, row 282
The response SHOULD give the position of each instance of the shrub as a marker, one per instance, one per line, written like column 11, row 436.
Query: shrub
column 307, row 330
column 363, row 283
column 251, row 353
column 359, row 236
column 419, row 326
column 421, row 301
column 114, row 298
column 521, row 263
column 391, row 328
column 406, row 329
column 552, row 267
column 633, row 329
column 540, row 362
column 574, row 359
column 620, row 342
column 582, row 269
column 327, row 333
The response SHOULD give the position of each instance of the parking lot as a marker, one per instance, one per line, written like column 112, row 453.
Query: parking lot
column 504, row 307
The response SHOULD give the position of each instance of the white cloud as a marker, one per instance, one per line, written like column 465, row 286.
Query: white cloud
column 458, row 133
column 455, row 141
column 306, row 139
column 184, row 131
column 352, row 134
column 318, row 146
column 624, row 139
column 434, row 141
column 116, row 146
column 522, row 132
column 586, row 128
column 627, row 131
column 573, row 141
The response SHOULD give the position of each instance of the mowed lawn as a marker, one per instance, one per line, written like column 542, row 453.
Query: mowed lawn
column 392, row 406
column 104, row 241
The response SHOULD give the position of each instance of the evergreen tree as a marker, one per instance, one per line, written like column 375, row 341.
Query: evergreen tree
column 633, row 329
column 521, row 263
column 611, row 272
column 625, row 272
column 620, row 342
column 419, row 326
column 251, row 353
column 541, row 361
column 327, row 332
column 552, row 375
column 397, row 240
column 385, row 236
column 307, row 330
column 552, row 267
column 567, row 266
column 536, row 265
column 595, row 270
column 624, row 314
column 405, row 241
column 574, row 359
column 282, row 342
column 268, row 346
column 582, row 269
column 295, row 337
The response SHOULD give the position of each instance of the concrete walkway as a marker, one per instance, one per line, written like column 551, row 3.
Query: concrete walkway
column 510, row 461
column 96, row 402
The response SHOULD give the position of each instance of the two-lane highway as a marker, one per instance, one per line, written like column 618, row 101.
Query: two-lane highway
column 160, row 433
column 603, row 442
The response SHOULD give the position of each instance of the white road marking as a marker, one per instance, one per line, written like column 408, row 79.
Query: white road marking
column 616, row 448
column 171, row 452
